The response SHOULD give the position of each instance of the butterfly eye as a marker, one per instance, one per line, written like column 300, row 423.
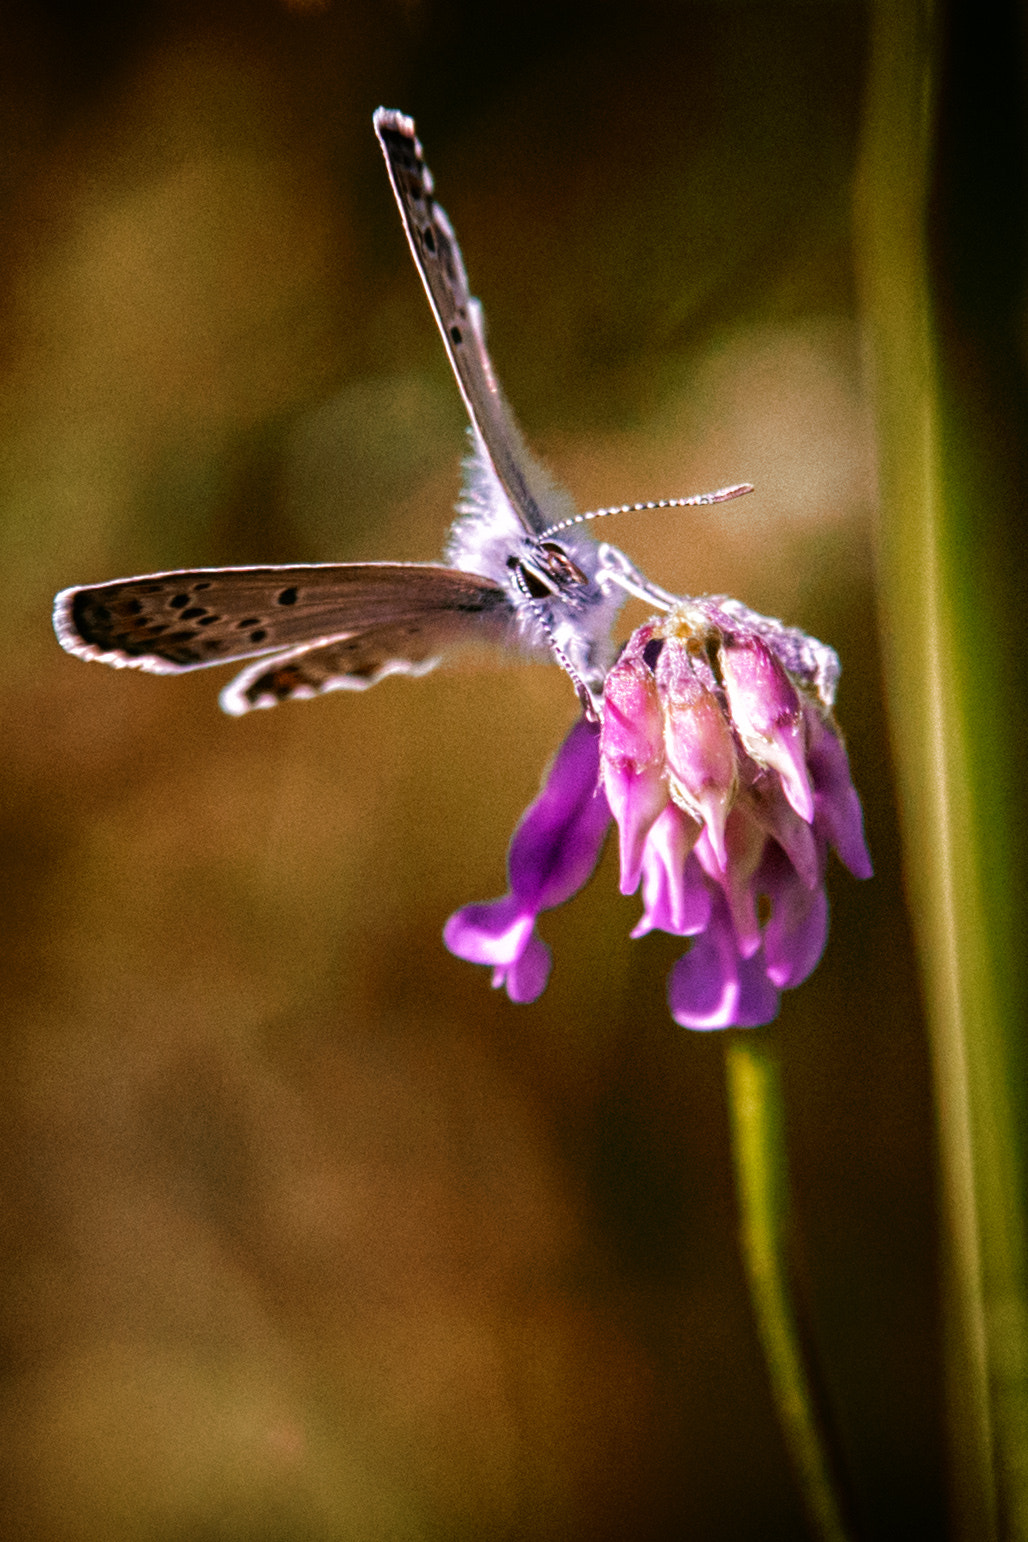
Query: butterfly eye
column 530, row 583
column 560, row 564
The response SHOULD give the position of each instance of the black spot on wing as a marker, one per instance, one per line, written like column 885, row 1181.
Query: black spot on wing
column 126, row 625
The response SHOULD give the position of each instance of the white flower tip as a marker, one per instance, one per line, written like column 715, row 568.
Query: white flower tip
column 714, row 806
column 799, row 793
column 786, row 754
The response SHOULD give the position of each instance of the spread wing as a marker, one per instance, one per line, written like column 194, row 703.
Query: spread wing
column 437, row 255
column 169, row 622
column 353, row 662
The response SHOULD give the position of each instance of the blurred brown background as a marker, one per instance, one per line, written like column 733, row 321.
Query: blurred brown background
column 308, row 1234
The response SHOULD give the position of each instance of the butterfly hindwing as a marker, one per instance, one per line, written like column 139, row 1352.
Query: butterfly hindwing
column 357, row 661
column 168, row 622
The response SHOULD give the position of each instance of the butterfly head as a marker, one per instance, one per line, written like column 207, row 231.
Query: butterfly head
column 546, row 571
column 558, row 606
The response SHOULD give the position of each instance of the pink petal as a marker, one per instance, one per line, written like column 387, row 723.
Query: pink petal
column 698, row 744
column 636, row 798
column 675, row 896
column 767, row 713
column 632, row 732
column 746, row 843
column 786, row 753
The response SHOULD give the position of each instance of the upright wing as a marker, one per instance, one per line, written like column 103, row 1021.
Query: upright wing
column 169, row 622
column 459, row 315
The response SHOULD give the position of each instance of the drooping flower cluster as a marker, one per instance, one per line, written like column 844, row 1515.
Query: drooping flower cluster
column 721, row 764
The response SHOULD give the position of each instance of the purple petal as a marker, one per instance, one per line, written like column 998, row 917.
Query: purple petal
column 703, row 987
column 558, row 841
column 758, row 998
column 796, row 838
column 526, row 978
column 714, row 987
column 838, row 813
column 494, row 933
column 795, row 936
column 746, row 844
column 553, row 852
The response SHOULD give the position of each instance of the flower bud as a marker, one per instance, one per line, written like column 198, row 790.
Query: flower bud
column 632, row 755
column 701, row 760
column 632, row 731
column 768, row 716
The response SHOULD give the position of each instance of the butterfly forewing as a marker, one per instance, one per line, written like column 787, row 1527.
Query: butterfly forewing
column 330, row 626
column 166, row 622
column 437, row 255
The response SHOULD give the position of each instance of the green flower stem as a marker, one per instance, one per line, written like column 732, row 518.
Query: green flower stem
column 954, row 711
column 755, row 1105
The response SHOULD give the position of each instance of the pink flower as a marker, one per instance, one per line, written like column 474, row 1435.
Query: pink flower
column 719, row 759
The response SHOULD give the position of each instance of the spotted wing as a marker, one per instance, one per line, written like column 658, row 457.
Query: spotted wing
column 169, row 622
column 353, row 663
column 437, row 255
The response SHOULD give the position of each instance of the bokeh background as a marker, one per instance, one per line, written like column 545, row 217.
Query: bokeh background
column 307, row 1233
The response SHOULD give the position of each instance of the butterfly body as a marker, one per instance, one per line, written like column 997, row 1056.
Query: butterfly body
column 558, row 601
column 519, row 570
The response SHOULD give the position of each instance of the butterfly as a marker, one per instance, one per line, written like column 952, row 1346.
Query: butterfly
column 518, row 569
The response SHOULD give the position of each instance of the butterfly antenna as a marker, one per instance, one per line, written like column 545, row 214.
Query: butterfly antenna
column 722, row 495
